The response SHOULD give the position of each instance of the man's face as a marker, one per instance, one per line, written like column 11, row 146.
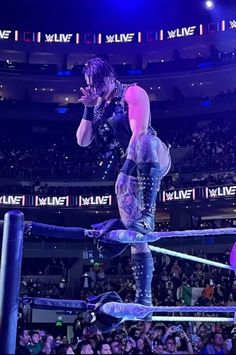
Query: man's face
column 35, row 338
column 25, row 338
column 170, row 345
column 140, row 344
column 102, row 88
column 87, row 350
column 106, row 349
column 116, row 347
column 218, row 340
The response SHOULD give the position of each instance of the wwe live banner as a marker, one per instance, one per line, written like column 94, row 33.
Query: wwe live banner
column 106, row 201
column 116, row 38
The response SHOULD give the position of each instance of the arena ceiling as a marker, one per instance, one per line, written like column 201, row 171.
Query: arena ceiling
column 101, row 15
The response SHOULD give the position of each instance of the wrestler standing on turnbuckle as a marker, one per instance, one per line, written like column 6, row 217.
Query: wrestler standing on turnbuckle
column 123, row 112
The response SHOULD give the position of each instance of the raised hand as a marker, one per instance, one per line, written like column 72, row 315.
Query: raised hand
column 89, row 97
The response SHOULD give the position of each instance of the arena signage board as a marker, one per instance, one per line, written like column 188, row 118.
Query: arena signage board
column 105, row 200
column 12, row 200
column 52, row 201
column 130, row 37
column 176, row 195
column 120, row 38
column 181, row 32
column 221, row 191
column 58, row 38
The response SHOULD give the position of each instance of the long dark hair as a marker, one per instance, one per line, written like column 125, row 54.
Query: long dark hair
column 98, row 68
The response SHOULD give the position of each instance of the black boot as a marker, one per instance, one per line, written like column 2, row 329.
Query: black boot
column 109, row 249
column 149, row 181
column 142, row 265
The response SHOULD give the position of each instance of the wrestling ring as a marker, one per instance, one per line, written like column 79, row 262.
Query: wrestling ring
column 14, row 232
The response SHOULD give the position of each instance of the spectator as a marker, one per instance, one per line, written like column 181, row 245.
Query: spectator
column 36, row 345
column 23, row 340
column 176, row 270
column 116, row 347
column 129, row 345
column 203, row 301
column 216, row 346
column 48, row 347
column 84, row 348
column 170, row 345
column 103, row 348
column 141, row 347
column 64, row 349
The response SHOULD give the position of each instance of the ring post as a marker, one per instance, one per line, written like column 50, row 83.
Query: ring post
column 10, row 274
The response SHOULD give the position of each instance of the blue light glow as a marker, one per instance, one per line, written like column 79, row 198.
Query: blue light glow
column 61, row 110
column 64, row 73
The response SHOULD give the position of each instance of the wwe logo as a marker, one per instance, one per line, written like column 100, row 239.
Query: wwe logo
column 110, row 39
column 171, row 34
column 169, row 196
column 213, row 192
column 43, row 201
column 49, row 38
column 232, row 24
column 86, row 201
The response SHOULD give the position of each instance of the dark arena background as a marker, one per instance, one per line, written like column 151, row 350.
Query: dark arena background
column 69, row 282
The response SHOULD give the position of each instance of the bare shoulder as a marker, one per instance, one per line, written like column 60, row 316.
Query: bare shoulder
column 135, row 93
